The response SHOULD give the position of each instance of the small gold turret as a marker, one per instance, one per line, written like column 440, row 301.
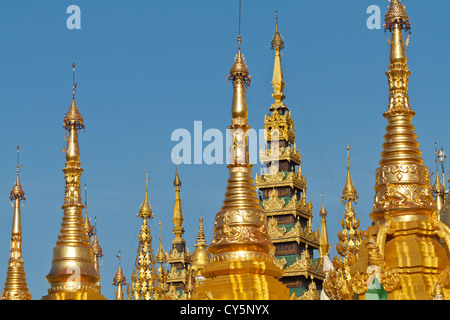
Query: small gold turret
column 161, row 258
column 340, row 283
column 73, row 275
column 119, row 281
column 16, row 287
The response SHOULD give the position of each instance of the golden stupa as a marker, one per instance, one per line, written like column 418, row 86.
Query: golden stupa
column 73, row 274
column 406, row 248
column 242, row 265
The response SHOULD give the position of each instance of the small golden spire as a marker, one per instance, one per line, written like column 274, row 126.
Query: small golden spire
column 324, row 244
column 16, row 287
column 396, row 15
column 119, row 280
column 242, row 266
column 349, row 193
column 161, row 255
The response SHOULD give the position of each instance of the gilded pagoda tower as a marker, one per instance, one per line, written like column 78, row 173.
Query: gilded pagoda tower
column 242, row 266
column 406, row 248
column 178, row 258
column 283, row 191
column 73, row 275
column 16, row 287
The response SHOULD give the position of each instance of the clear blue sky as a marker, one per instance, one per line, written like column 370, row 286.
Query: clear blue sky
column 146, row 68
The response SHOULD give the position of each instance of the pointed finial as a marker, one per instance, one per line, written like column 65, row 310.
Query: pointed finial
column 73, row 116
column 119, row 279
column 17, row 191
column 277, row 40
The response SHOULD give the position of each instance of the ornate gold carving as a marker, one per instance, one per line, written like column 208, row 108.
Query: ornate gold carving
column 274, row 230
column 280, row 123
column 274, row 202
column 312, row 293
column 390, row 279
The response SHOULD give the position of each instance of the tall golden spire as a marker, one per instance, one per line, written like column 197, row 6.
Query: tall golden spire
column 404, row 215
column 119, row 280
column 200, row 257
column 278, row 83
column 242, row 265
column 349, row 194
column 73, row 274
column 16, row 287
column 177, row 218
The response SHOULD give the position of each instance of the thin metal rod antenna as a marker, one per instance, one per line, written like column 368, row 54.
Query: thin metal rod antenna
column 17, row 155
column 239, row 17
